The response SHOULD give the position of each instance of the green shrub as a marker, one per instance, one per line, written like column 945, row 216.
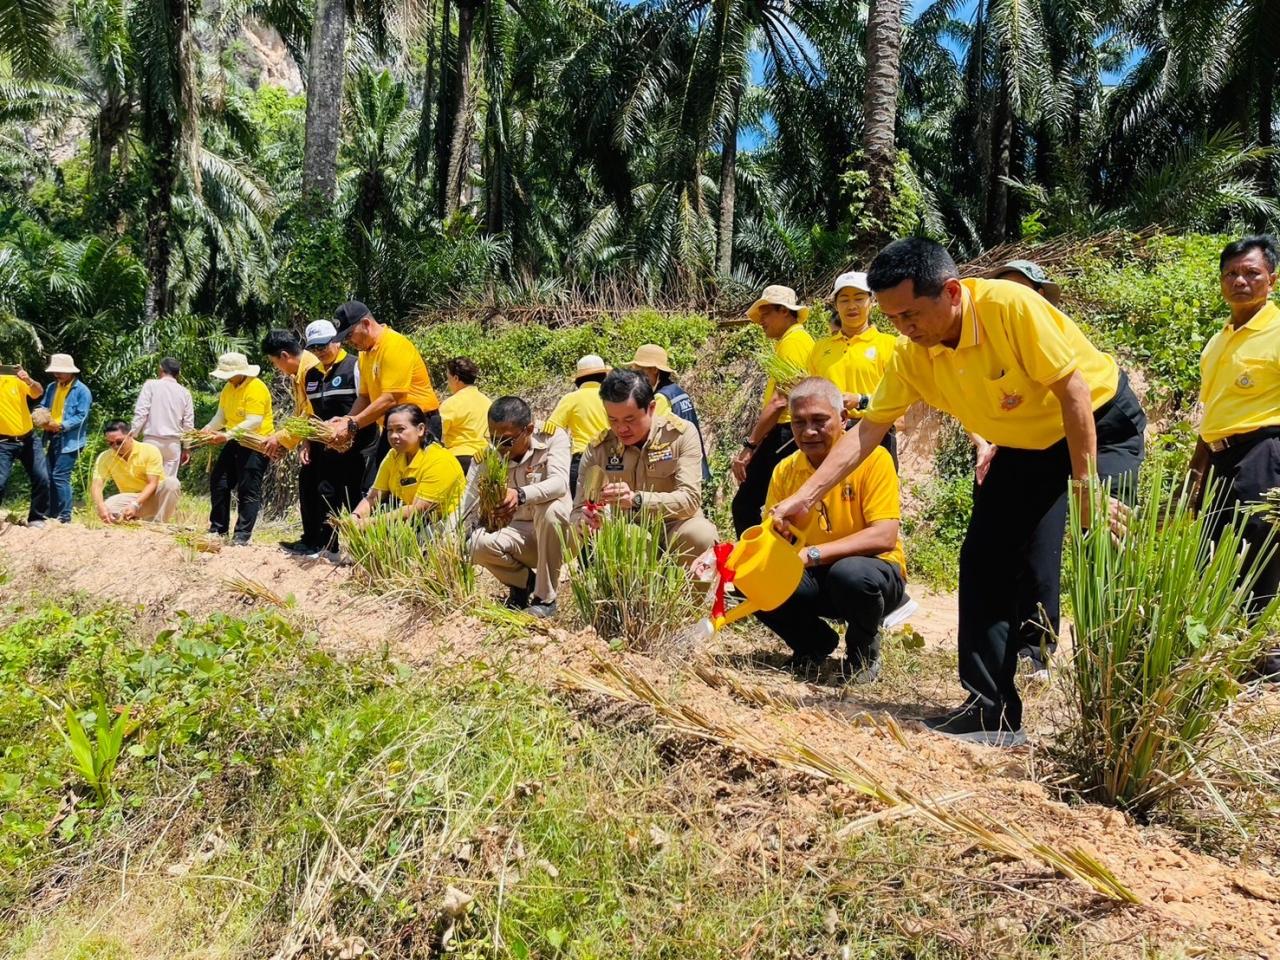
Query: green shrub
column 1159, row 642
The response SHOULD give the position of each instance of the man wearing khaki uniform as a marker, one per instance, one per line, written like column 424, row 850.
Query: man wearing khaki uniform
column 526, row 553
column 652, row 465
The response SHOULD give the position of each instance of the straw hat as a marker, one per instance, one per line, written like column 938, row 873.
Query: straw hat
column 588, row 365
column 234, row 365
column 61, row 363
column 782, row 297
column 651, row 355
column 854, row 278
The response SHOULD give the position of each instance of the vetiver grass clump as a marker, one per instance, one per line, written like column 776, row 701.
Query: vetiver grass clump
column 426, row 563
column 1160, row 644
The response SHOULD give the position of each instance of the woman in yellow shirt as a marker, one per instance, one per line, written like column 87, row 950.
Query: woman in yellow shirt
column 464, row 414
column 418, row 474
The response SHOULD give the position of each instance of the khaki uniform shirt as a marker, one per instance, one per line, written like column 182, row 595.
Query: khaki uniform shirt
column 666, row 469
column 543, row 473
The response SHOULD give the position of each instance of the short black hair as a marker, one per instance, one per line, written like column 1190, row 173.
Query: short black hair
column 171, row 366
column 281, row 341
column 1257, row 241
column 116, row 426
column 623, row 385
column 925, row 263
column 464, row 368
column 511, row 410
column 590, row 378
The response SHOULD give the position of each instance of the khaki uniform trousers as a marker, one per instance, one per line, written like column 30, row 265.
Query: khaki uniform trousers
column 160, row 507
column 522, row 546
column 170, row 453
column 690, row 538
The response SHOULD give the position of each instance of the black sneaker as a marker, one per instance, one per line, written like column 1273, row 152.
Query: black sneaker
column 541, row 610
column 297, row 546
column 239, row 541
column 517, row 599
column 973, row 723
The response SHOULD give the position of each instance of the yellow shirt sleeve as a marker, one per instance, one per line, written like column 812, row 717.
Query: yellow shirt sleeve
column 150, row 460
column 560, row 415
column 895, row 393
column 796, row 349
column 364, row 369
column 780, row 486
column 440, row 478
column 396, row 375
column 878, row 488
column 100, row 466
column 663, row 408
column 382, row 482
column 1038, row 331
column 257, row 402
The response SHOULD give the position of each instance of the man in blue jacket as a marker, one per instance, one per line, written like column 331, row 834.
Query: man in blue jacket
column 68, row 420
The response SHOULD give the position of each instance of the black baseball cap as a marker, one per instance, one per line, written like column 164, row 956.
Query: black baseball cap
column 347, row 316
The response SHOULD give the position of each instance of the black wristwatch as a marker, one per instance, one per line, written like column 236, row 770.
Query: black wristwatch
column 864, row 401
column 520, row 496
column 748, row 444
column 352, row 426
column 636, row 501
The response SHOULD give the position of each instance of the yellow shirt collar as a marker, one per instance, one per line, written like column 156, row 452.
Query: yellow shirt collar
column 1262, row 320
column 968, row 326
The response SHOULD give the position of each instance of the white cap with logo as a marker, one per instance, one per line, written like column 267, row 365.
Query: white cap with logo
column 320, row 333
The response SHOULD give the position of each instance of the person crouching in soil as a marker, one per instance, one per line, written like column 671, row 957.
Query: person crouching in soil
column 418, row 477
column 526, row 551
column 137, row 470
column 855, row 569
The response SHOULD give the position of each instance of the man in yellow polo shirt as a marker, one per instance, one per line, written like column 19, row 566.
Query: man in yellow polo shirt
column 856, row 356
column 244, row 406
column 855, row 568
column 464, row 414
column 18, row 442
column 1240, row 390
column 392, row 372
column 137, row 470
column 781, row 317
column 582, row 412
column 1010, row 367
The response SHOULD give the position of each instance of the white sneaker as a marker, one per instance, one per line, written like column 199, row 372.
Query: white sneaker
column 899, row 615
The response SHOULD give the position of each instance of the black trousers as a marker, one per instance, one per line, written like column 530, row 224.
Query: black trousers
column 1012, row 552
column 574, row 462
column 240, row 469
column 435, row 430
column 748, row 502
column 1242, row 475
column 328, row 484
column 857, row 590
column 464, row 461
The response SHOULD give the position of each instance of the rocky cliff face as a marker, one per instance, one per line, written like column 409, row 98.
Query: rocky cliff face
column 266, row 61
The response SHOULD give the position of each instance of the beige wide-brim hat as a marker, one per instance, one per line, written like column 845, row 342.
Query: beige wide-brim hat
column 780, row 296
column 650, row 355
column 588, row 365
column 234, row 365
column 61, row 363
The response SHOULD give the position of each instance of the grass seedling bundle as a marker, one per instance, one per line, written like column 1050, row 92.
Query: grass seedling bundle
column 428, row 563
column 313, row 428
column 491, row 488
column 784, row 373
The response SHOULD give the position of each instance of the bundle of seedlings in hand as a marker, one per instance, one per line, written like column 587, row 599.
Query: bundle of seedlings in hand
column 313, row 428
column 247, row 438
column 197, row 438
column 40, row 417
column 784, row 373
column 491, row 487
column 427, row 563
column 629, row 587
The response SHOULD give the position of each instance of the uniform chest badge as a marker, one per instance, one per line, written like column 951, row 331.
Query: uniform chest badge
column 1010, row 401
column 534, row 474
column 1244, row 381
column 614, row 462
column 846, row 493
column 337, row 381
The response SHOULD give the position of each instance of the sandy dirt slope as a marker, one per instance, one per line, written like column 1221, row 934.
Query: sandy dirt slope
column 1186, row 896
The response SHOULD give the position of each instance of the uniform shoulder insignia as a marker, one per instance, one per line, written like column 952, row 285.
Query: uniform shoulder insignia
column 600, row 438
column 672, row 422
column 546, row 429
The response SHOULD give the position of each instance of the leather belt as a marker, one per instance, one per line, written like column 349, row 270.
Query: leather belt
column 1238, row 440
column 5, row 438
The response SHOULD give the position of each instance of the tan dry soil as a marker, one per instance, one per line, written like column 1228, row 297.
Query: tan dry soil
column 1187, row 897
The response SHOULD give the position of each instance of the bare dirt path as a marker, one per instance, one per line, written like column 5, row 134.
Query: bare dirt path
column 1186, row 896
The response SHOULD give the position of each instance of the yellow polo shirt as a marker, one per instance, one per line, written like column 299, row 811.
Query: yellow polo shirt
column 250, row 399
column 582, row 414
column 868, row 494
column 15, row 415
column 854, row 364
column 1013, row 345
column 306, row 363
column 130, row 474
column 433, row 475
column 395, row 366
column 464, row 418
column 59, row 403
column 1240, row 377
column 794, row 346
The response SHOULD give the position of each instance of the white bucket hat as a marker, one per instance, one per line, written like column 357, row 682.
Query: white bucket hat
column 61, row 363
column 234, row 365
column 854, row 278
column 590, row 364
column 780, row 296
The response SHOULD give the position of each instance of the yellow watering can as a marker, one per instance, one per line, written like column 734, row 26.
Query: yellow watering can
column 766, row 568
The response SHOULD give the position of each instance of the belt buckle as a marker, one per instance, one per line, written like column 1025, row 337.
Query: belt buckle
column 1217, row 446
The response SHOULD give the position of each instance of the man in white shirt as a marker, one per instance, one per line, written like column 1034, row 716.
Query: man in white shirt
column 164, row 412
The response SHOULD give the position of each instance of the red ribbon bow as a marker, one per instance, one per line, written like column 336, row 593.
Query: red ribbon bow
column 724, row 576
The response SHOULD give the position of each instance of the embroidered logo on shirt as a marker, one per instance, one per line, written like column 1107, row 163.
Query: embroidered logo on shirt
column 1010, row 401
column 1244, row 381
column 337, row 381
column 871, row 353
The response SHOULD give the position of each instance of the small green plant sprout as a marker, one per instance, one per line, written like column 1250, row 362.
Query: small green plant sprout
column 491, row 488
column 95, row 760
column 784, row 373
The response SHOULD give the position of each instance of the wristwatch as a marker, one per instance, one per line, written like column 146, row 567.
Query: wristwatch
column 746, row 442
column 813, row 555
column 520, row 496
column 352, row 426
column 636, row 501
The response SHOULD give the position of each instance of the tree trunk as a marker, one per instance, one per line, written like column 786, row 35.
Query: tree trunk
column 422, row 149
column 1267, row 118
column 326, row 64
column 880, row 111
column 459, row 154
column 1001, row 147
column 444, row 107
column 728, row 188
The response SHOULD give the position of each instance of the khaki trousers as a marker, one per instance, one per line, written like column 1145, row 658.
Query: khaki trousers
column 690, row 538
column 170, row 452
column 523, row 546
column 160, row 507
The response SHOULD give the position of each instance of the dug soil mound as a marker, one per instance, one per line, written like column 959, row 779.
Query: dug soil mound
column 866, row 743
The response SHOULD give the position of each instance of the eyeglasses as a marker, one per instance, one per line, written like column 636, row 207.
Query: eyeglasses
column 502, row 443
column 116, row 444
